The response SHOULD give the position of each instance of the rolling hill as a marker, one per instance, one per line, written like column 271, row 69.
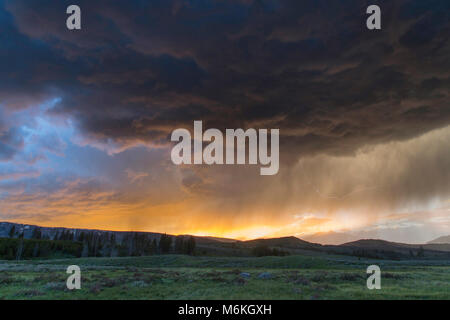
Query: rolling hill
column 331, row 238
column 444, row 239
column 113, row 243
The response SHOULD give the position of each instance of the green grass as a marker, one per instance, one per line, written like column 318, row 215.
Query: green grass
column 185, row 277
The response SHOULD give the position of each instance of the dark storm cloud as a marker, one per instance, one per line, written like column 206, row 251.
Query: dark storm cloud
column 11, row 139
column 10, row 142
column 139, row 69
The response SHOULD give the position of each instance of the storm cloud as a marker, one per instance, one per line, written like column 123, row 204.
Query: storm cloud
column 363, row 115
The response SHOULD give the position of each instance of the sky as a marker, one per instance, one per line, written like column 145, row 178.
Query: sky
column 364, row 116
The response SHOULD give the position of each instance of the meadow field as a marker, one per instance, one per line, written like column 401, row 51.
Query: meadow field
column 190, row 277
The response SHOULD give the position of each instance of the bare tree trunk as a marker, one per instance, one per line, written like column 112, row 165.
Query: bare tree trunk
column 19, row 249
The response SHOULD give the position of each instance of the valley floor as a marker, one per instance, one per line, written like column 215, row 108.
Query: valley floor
column 186, row 277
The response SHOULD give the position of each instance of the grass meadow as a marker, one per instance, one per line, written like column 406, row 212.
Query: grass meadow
column 186, row 277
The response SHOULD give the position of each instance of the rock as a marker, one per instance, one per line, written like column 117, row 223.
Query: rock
column 265, row 275
column 245, row 275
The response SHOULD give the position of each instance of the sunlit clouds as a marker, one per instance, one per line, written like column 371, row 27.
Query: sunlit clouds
column 364, row 119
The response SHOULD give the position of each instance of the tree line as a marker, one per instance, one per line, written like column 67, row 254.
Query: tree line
column 19, row 248
column 91, row 244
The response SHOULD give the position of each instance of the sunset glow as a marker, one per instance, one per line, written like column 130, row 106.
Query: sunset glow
column 86, row 118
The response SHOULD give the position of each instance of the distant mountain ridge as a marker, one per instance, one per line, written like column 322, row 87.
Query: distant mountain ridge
column 331, row 238
column 51, row 232
column 377, row 244
column 444, row 239
column 286, row 242
column 125, row 242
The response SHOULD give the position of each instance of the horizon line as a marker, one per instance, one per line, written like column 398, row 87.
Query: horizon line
column 217, row 237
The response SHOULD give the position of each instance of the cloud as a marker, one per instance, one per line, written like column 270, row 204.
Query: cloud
column 135, row 176
column 10, row 143
column 332, row 85
column 363, row 116
column 17, row 175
